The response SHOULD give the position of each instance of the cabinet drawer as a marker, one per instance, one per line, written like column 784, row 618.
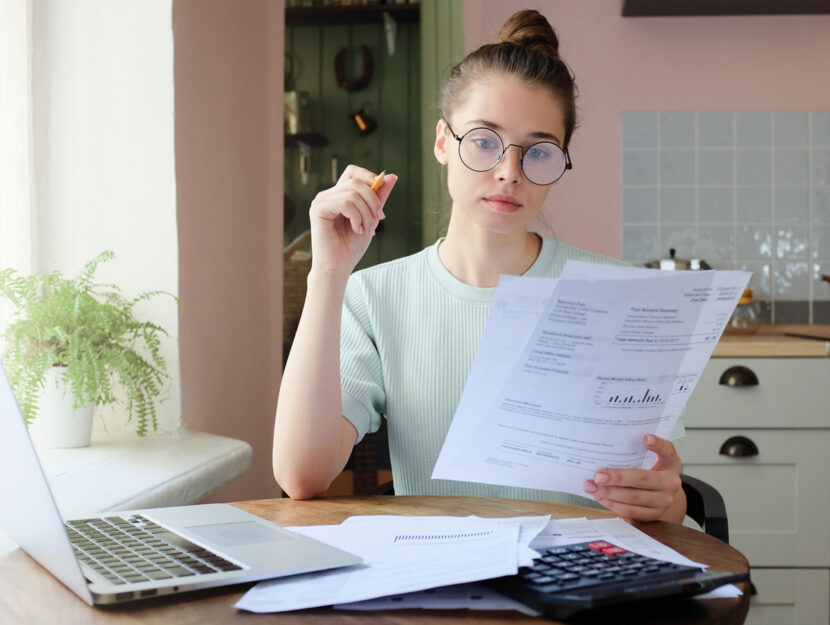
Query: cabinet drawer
column 777, row 501
column 791, row 392
column 790, row 597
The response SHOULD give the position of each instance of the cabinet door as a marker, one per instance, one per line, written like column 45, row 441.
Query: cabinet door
column 791, row 393
column 778, row 501
column 790, row 597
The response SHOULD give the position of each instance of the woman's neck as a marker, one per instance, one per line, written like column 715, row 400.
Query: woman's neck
column 478, row 258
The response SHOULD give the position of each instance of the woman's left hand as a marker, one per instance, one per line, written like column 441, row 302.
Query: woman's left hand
column 643, row 494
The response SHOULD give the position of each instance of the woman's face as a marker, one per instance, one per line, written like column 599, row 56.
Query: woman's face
column 500, row 200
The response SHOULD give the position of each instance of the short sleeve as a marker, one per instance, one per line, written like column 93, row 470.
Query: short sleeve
column 361, row 374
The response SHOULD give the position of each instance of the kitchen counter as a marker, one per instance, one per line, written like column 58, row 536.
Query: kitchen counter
column 773, row 341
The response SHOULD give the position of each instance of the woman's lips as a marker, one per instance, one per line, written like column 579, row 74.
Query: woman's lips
column 503, row 203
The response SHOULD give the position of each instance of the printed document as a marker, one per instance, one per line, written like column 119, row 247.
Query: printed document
column 401, row 554
column 571, row 373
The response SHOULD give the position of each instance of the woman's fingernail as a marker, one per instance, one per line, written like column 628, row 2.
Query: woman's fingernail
column 650, row 440
column 590, row 487
column 601, row 478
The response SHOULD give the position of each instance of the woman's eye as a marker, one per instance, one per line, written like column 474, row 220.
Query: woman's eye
column 484, row 144
column 538, row 153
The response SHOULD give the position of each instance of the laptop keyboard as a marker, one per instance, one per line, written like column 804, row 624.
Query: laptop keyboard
column 134, row 549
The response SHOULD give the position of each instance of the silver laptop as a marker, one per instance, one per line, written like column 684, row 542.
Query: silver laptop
column 115, row 557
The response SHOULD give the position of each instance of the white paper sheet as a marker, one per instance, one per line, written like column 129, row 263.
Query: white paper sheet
column 570, row 374
column 459, row 597
column 529, row 527
column 556, row 532
column 415, row 553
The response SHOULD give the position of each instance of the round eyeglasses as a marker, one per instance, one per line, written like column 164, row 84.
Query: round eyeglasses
column 481, row 149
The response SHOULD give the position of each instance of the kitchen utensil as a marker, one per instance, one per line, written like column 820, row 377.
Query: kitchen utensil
column 672, row 263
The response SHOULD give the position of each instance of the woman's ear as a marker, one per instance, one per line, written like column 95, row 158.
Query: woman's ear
column 440, row 148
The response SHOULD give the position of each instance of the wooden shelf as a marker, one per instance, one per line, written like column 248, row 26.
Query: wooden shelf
column 314, row 139
column 678, row 8
column 360, row 14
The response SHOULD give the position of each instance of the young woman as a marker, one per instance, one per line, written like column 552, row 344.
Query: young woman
column 396, row 341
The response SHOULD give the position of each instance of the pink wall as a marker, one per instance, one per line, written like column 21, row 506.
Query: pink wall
column 228, row 89
column 649, row 64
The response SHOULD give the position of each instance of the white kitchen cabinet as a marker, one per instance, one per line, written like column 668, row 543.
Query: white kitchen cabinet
column 778, row 495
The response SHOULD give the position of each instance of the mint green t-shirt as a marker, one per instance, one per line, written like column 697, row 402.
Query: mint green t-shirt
column 410, row 331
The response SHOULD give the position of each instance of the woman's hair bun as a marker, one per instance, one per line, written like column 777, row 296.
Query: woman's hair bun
column 530, row 28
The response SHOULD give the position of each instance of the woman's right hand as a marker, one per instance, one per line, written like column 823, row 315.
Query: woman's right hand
column 344, row 219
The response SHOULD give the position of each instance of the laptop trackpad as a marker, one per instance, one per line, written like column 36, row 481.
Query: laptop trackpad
column 235, row 534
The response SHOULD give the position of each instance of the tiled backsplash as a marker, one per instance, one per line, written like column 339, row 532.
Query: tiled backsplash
column 740, row 190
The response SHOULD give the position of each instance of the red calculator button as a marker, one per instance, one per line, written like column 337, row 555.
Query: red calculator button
column 600, row 545
column 613, row 551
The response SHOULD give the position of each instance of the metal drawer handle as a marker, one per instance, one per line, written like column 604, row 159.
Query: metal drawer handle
column 739, row 376
column 738, row 447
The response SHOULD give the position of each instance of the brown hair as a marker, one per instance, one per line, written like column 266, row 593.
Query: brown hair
column 528, row 48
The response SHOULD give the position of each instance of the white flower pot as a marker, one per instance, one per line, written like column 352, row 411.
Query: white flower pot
column 57, row 425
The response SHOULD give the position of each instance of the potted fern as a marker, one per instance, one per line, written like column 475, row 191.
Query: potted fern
column 78, row 339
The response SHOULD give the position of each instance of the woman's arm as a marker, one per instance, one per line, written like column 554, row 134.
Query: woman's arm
column 312, row 439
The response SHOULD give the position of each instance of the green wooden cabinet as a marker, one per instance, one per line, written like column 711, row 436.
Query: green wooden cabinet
column 401, row 97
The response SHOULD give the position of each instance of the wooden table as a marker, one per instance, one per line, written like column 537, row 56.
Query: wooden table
column 30, row 595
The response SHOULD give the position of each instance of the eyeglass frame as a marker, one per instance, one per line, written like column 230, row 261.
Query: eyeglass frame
column 568, row 162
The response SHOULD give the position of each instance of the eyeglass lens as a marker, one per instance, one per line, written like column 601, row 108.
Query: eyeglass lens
column 481, row 149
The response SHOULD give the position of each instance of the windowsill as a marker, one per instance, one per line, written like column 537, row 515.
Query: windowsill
column 129, row 473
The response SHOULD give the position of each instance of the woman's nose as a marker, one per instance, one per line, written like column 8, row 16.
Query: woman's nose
column 510, row 166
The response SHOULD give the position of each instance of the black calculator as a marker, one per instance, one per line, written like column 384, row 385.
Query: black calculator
column 570, row 579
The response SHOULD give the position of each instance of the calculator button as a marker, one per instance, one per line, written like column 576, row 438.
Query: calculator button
column 599, row 545
column 613, row 551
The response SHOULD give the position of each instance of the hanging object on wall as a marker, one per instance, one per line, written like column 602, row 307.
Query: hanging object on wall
column 296, row 109
column 305, row 161
column 391, row 32
column 364, row 123
column 366, row 74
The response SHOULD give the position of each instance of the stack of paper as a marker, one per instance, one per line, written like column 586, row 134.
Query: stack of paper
column 406, row 558
column 402, row 554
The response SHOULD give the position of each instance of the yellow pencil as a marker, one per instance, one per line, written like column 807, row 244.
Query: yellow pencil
column 378, row 181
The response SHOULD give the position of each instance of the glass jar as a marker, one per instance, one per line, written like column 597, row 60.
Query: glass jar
column 744, row 320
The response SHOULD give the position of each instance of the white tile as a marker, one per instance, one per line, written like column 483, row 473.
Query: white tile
column 791, row 281
column 753, row 167
column 639, row 167
column 753, row 129
column 821, row 204
column 677, row 167
column 677, row 204
column 714, row 204
column 639, row 130
column 790, row 128
column 753, row 243
column 715, row 243
column 640, row 242
column 792, row 205
column 821, row 129
column 677, row 130
column 791, row 167
column 821, row 168
column 714, row 166
column 792, row 242
column 754, row 204
column 715, row 128
column 640, row 204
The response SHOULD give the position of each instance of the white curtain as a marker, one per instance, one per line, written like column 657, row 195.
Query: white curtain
column 17, row 215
